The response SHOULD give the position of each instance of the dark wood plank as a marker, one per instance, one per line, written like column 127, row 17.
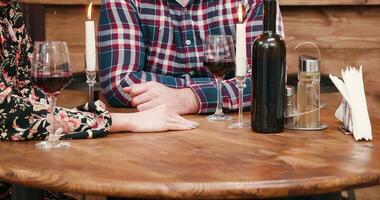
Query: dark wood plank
column 34, row 17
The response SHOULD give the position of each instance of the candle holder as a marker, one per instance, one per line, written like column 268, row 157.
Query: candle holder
column 240, row 83
column 91, row 76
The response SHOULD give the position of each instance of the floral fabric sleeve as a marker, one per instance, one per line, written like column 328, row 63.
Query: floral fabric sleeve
column 23, row 119
column 24, row 108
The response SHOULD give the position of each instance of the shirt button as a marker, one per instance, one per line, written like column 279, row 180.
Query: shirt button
column 185, row 10
column 188, row 42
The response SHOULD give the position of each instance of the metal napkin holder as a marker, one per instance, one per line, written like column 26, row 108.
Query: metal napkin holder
column 346, row 128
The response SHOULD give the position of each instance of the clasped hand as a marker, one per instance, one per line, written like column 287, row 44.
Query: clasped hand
column 151, row 94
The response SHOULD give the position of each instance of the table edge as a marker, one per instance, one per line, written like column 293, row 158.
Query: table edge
column 191, row 190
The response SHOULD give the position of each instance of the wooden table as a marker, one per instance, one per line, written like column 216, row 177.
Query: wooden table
column 209, row 162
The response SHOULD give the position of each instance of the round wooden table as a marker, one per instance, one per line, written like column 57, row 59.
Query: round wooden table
column 211, row 162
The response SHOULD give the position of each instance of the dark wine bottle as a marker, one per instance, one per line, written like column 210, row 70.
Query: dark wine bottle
column 268, row 75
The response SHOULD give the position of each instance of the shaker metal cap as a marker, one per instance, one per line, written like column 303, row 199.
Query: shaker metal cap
column 308, row 64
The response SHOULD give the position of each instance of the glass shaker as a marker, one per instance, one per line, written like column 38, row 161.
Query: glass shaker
column 290, row 107
column 308, row 92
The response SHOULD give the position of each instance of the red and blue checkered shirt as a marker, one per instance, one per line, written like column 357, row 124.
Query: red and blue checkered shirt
column 163, row 41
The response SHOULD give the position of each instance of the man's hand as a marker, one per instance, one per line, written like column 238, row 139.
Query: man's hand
column 152, row 94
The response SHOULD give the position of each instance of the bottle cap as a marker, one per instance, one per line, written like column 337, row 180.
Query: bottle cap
column 308, row 64
column 289, row 90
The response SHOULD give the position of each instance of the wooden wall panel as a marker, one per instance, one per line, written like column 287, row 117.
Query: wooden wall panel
column 333, row 27
column 66, row 23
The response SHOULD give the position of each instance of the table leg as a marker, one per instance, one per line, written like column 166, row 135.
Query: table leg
column 25, row 193
column 330, row 196
column 350, row 195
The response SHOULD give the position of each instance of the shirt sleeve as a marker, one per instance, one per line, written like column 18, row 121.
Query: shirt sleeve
column 122, row 59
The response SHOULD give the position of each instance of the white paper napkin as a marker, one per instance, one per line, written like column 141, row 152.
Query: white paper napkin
column 352, row 90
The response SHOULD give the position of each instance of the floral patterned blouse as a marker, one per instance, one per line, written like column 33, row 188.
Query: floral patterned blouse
column 23, row 107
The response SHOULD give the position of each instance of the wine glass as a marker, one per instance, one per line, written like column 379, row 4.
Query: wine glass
column 220, row 60
column 51, row 72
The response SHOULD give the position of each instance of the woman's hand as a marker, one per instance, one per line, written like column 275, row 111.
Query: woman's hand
column 157, row 119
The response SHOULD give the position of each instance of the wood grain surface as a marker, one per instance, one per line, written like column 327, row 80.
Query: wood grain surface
column 210, row 162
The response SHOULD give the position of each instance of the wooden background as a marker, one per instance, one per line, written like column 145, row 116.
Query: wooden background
column 347, row 31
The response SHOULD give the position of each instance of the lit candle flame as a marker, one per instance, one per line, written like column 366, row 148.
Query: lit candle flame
column 241, row 11
column 89, row 11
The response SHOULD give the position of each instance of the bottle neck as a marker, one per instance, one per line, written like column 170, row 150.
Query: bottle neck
column 270, row 16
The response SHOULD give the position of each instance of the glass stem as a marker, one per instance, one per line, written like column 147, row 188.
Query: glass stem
column 53, row 137
column 90, row 92
column 219, row 108
column 91, row 76
column 240, row 119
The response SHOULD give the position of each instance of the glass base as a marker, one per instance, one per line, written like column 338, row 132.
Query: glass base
column 239, row 125
column 46, row 145
column 321, row 126
column 218, row 117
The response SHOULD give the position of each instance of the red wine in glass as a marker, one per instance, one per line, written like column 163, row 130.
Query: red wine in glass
column 220, row 68
column 52, row 83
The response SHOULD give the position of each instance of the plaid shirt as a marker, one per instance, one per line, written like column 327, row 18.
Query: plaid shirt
column 163, row 41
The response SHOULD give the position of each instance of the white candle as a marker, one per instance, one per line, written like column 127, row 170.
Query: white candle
column 241, row 45
column 90, row 42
